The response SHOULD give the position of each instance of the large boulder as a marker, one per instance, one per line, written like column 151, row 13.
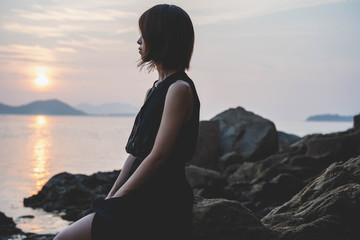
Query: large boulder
column 72, row 193
column 221, row 219
column 246, row 133
column 357, row 121
column 207, row 148
column 326, row 209
column 329, row 148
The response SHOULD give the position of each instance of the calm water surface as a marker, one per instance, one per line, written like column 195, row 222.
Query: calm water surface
column 34, row 148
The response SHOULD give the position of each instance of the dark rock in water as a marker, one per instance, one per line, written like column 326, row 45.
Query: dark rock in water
column 27, row 216
column 250, row 135
column 207, row 148
column 326, row 209
column 221, row 219
column 7, row 226
column 72, row 194
column 286, row 139
column 357, row 121
column 33, row 236
column 8, row 230
column 205, row 182
column 266, row 184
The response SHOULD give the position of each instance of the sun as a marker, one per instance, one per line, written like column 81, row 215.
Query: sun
column 41, row 80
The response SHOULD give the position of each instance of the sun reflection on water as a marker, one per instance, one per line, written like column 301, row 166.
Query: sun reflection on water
column 40, row 152
column 39, row 170
column 40, row 120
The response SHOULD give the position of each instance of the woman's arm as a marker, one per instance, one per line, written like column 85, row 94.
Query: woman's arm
column 122, row 176
column 177, row 109
column 126, row 168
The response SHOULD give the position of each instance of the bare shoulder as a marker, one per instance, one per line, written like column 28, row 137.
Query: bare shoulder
column 180, row 88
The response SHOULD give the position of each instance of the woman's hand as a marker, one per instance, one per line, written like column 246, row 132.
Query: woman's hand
column 122, row 176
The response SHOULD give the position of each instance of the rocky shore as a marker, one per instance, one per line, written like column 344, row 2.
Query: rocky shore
column 8, row 230
column 251, row 183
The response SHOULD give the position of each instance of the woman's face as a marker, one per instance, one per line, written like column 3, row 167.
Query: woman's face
column 141, row 48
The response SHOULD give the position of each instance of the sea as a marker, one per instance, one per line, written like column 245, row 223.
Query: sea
column 33, row 148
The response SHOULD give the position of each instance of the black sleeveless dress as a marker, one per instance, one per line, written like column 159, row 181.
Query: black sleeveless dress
column 161, row 209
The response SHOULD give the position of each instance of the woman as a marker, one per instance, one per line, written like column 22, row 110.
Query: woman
column 151, row 198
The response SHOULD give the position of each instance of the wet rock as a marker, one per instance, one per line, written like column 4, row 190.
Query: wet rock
column 207, row 148
column 326, row 209
column 246, row 133
column 221, row 219
column 8, row 230
column 7, row 226
column 26, row 217
column 72, row 194
column 33, row 236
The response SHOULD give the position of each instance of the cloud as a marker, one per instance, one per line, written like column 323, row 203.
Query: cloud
column 71, row 14
column 125, row 30
column 25, row 52
column 93, row 43
column 64, row 49
column 50, row 31
column 37, row 53
column 59, row 22
column 41, row 32
column 216, row 12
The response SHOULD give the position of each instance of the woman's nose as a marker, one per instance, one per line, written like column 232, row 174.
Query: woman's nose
column 139, row 41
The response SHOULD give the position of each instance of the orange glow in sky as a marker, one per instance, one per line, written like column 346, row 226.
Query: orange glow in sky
column 41, row 80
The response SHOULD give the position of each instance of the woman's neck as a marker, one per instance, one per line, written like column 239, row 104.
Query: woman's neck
column 164, row 73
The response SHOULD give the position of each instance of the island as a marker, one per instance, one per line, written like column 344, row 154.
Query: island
column 44, row 107
column 330, row 118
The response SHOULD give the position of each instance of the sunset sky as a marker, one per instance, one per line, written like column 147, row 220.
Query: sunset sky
column 282, row 59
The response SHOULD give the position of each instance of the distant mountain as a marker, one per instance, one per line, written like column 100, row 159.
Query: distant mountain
column 46, row 107
column 330, row 117
column 113, row 109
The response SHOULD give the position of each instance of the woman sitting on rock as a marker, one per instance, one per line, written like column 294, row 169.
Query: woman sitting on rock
column 151, row 198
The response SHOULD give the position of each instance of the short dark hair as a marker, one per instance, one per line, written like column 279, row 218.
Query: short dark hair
column 168, row 34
